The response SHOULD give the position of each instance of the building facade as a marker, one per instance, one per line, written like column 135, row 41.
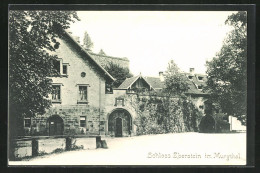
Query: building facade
column 82, row 102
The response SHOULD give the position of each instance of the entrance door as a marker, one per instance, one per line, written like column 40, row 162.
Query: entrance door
column 118, row 132
column 55, row 125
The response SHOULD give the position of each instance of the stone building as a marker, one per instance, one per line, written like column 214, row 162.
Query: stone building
column 82, row 103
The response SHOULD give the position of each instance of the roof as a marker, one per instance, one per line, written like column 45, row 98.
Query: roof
column 194, row 82
column 155, row 82
column 105, row 60
column 94, row 55
column 129, row 81
column 87, row 55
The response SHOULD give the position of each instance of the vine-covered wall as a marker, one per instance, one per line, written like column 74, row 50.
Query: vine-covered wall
column 157, row 115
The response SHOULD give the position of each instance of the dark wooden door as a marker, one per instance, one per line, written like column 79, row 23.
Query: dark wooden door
column 52, row 128
column 118, row 132
column 56, row 128
column 59, row 129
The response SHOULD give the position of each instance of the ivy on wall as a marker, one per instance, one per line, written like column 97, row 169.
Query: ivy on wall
column 158, row 115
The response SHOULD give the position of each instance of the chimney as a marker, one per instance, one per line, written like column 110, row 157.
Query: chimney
column 192, row 70
column 161, row 76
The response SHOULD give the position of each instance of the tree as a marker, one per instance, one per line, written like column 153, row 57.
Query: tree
column 101, row 52
column 118, row 72
column 31, row 34
column 175, row 81
column 87, row 43
column 227, row 71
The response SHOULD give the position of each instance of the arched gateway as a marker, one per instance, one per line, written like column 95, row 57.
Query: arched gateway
column 56, row 125
column 120, row 123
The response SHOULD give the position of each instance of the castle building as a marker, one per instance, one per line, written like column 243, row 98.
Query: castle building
column 82, row 103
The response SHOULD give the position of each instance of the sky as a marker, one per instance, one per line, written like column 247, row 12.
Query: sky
column 150, row 39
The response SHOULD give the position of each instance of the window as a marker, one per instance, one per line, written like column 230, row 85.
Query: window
column 109, row 89
column 82, row 121
column 83, row 94
column 57, row 65
column 190, row 77
column 200, row 78
column 119, row 102
column 27, row 122
column 56, row 93
column 201, row 107
column 83, row 74
column 65, row 69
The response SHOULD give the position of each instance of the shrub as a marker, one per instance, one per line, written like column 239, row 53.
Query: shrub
column 58, row 150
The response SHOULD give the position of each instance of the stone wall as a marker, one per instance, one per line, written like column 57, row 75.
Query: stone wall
column 71, row 120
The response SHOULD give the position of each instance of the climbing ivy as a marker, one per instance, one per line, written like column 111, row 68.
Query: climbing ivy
column 157, row 115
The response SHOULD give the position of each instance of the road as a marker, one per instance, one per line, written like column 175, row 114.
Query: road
column 163, row 149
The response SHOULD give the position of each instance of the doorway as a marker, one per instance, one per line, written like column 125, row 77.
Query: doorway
column 118, row 131
column 56, row 125
column 119, row 123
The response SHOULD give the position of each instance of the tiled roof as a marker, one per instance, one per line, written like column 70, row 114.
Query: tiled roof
column 194, row 82
column 128, row 82
column 155, row 82
column 95, row 55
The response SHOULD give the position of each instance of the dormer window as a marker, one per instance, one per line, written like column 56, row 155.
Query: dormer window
column 200, row 78
column 190, row 77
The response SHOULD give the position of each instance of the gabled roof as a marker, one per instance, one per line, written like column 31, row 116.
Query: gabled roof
column 128, row 82
column 87, row 55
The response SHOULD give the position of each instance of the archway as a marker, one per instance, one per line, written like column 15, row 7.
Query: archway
column 207, row 124
column 56, row 125
column 120, row 123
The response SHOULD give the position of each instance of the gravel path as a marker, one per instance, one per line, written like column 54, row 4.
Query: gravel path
column 163, row 149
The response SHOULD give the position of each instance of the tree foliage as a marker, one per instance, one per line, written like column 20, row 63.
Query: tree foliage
column 175, row 81
column 227, row 71
column 101, row 52
column 87, row 42
column 30, row 33
column 118, row 72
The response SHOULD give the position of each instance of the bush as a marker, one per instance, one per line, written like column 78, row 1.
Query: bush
column 58, row 150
